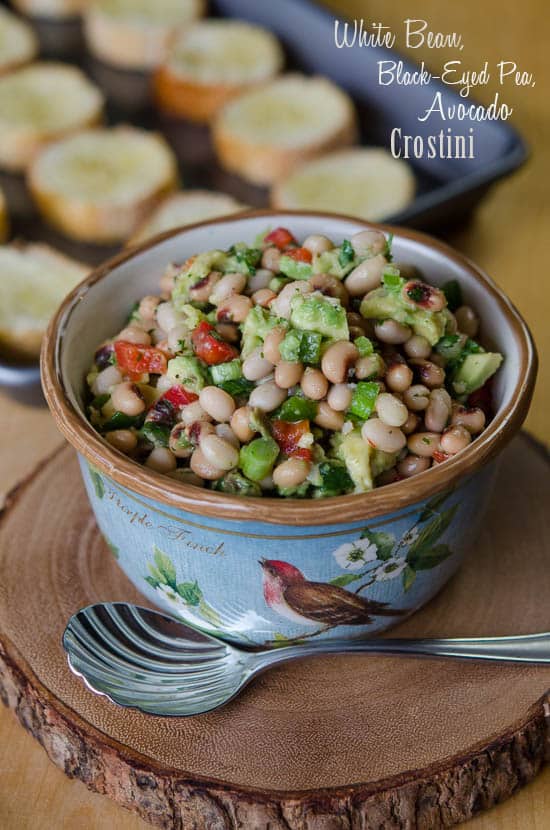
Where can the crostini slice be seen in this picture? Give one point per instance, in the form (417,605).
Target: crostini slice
(53,9)
(18,43)
(367,182)
(4,218)
(184,208)
(266,132)
(213,61)
(98,185)
(39,103)
(136,34)
(34,279)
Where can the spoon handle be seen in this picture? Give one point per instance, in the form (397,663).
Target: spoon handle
(527,648)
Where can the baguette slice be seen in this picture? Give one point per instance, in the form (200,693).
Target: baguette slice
(98,185)
(34,279)
(263,134)
(365,182)
(18,43)
(54,9)
(4,218)
(40,103)
(136,34)
(212,62)
(185,208)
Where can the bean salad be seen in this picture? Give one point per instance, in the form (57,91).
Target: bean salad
(293,369)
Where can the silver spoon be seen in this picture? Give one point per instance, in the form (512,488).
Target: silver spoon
(152,662)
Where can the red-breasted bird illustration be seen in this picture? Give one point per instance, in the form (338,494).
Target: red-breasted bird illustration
(290,594)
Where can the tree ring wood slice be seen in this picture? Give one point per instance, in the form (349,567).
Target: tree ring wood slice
(335,743)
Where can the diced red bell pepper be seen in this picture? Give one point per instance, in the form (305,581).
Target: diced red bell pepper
(483,398)
(288,436)
(179,396)
(210,347)
(299,254)
(280,237)
(439,456)
(134,360)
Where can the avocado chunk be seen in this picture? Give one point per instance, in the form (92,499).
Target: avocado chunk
(188,371)
(338,262)
(254,329)
(382,304)
(475,371)
(315,312)
(197,268)
(356,455)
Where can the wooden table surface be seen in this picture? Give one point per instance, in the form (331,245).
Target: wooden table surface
(508,237)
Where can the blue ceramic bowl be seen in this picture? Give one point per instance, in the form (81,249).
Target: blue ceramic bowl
(267,571)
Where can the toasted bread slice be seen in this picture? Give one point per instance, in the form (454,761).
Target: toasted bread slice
(18,43)
(40,103)
(4,218)
(185,208)
(98,185)
(51,8)
(136,34)
(213,61)
(264,133)
(34,279)
(367,182)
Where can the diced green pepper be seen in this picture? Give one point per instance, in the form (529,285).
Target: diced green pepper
(121,421)
(295,268)
(346,253)
(237,387)
(257,459)
(232,370)
(301,346)
(364,399)
(453,294)
(364,346)
(155,434)
(297,409)
(392,280)
(335,479)
(237,484)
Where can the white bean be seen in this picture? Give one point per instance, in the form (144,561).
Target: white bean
(217,403)
(291,473)
(288,374)
(240,424)
(424,443)
(122,439)
(338,359)
(383,437)
(273,340)
(390,331)
(438,410)
(398,377)
(416,397)
(329,418)
(127,398)
(467,320)
(161,460)
(234,309)
(368,242)
(455,439)
(167,316)
(411,465)
(225,432)
(267,397)
(317,243)
(106,379)
(314,384)
(259,280)
(339,397)
(417,346)
(281,306)
(365,276)
(229,284)
(134,334)
(203,468)
(177,336)
(255,366)
(390,410)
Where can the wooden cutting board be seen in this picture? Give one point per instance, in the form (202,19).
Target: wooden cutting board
(328,744)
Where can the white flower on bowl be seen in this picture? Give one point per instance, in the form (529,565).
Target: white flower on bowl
(411,536)
(390,569)
(354,555)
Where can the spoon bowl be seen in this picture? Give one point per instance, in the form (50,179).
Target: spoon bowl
(146,660)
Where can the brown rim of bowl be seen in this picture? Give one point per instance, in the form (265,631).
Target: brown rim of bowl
(299,512)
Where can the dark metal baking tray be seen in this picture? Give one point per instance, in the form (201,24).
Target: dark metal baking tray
(447,190)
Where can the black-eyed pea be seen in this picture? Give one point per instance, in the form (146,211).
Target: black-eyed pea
(366,276)
(368,242)
(417,346)
(416,397)
(339,396)
(167,317)
(202,289)
(122,439)
(281,306)
(383,437)
(317,244)
(264,297)
(467,320)
(217,403)
(147,308)
(234,309)
(219,452)
(225,287)
(438,410)
(398,377)
(338,360)
(329,418)
(291,473)
(267,397)
(259,280)
(179,442)
(271,259)
(424,443)
(226,432)
(255,366)
(134,334)
(330,286)
(193,412)
(314,384)
(203,468)
(161,460)
(127,398)
(390,331)
(228,332)
(411,465)
(240,424)
(428,373)
(390,410)
(472,418)
(106,379)
(455,439)
(288,374)
(411,424)
(273,340)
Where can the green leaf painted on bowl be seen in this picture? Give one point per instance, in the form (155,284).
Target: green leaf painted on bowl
(408,577)
(431,533)
(384,542)
(424,560)
(346,579)
(166,567)
(190,592)
(97,481)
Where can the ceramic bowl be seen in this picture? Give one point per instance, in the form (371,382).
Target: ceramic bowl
(243,568)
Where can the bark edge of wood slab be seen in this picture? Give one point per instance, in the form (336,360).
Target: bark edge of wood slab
(440,794)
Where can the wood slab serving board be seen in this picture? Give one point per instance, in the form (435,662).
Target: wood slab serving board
(339,743)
